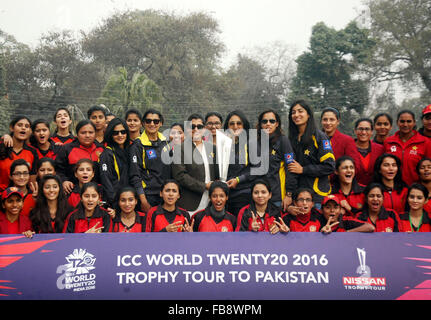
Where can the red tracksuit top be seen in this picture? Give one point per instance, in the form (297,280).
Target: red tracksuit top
(205,222)
(409,152)
(365,170)
(387,221)
(245,218)
(406,226)
(77,222)
(158,218)
(28,153)
(395,200)
(355,198)
(310,222)
(138,226)
(24,224)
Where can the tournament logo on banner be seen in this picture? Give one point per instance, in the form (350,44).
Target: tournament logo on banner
(78,273)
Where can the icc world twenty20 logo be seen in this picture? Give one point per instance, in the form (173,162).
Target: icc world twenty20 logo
(78,273)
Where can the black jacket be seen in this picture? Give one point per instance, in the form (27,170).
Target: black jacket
(113,172)
(318,162)
(147,167)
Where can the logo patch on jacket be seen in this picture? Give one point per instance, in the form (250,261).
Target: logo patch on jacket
(327,145)
(151,154)
(288,157)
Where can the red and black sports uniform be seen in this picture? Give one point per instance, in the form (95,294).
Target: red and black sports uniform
(74,198)
(59,140)
(345,223)
(387,220)
(27,153)
(70,153)
(138,226)
(50,153)
(245,219)
(409,152)
(159,218)
(395,199)
(355,198)
(77,222)
(407,226)
(206,221)
(310,222)
(19,226)
(367,159)
(29,204)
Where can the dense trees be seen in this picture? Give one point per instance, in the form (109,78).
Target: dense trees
(328,74)
(173,62)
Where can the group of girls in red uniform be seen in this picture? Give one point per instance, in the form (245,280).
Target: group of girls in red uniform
(316,180)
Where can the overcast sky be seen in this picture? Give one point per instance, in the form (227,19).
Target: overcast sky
(243,23)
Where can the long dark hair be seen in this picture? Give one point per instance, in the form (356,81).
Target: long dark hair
(6,152)
(18,162)
(110,129)
(399,184)
(311,128)
(367,190)
(40,215)
(118,194)
(417,186)
(338,162)
(33,139)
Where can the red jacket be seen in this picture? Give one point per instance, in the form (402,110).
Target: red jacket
(405,225)
(158,219)
(205,222)
(28,153)
(245,218)
(138,226)
(77,222)
(387,220)
(24,224)
(395,200)
(355,198)
(311,222)
(69,154)
(365,170)
(409,152)
(342,144)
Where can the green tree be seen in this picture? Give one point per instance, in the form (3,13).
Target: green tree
(121,93)
(403,33)
(329,73)
(5,107)
(179,53)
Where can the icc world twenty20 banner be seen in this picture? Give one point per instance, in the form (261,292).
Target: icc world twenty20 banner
(216,266)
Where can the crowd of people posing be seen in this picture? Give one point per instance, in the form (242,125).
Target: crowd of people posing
(113,174)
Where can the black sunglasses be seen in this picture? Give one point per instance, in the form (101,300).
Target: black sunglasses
(265,121)
(197,126)
(116,133)
(148,121)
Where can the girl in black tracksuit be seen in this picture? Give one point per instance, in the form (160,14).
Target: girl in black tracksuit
(279,154)
(315,161)
(114,161)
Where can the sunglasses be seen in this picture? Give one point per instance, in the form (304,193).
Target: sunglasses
(148,121)
(116,133)
(197,126)
(265,121)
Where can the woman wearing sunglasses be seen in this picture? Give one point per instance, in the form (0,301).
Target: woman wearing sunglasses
(147,170)
(280,155)
(114,160)
(194,166)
